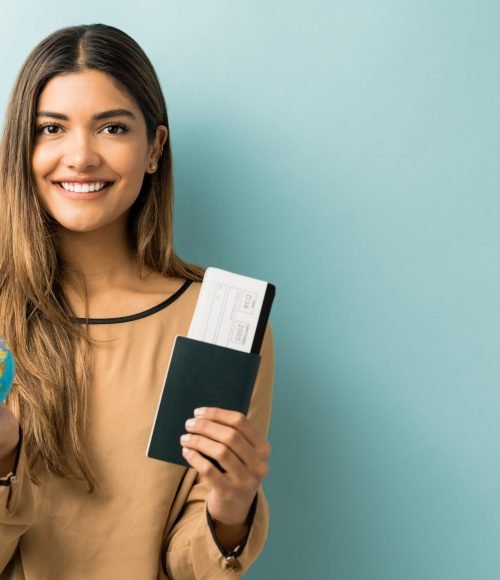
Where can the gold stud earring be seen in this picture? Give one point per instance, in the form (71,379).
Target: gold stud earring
(153,167)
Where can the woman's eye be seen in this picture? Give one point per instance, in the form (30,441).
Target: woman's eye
(116,129)
(48,129)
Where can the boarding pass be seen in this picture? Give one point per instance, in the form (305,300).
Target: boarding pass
(232,310)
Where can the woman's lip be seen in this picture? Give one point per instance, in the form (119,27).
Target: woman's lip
(77,180)
(83,195)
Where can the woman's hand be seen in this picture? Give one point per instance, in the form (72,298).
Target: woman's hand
(230,439)
(9,438)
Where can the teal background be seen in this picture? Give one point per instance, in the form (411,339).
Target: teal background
(348,152)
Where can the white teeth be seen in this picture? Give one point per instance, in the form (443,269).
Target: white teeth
(83,187)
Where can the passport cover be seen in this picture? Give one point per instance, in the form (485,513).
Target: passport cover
(200,374)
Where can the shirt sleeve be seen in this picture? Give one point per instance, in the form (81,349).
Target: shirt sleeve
(191,550)
(17,506)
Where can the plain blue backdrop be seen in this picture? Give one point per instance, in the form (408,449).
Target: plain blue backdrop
(348,152)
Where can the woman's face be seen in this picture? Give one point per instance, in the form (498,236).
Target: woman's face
(91,150)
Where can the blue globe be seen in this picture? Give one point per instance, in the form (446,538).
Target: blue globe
(7,370)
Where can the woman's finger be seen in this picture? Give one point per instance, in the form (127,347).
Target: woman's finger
(233,419)
(224,456)
(204,467)
(228,436)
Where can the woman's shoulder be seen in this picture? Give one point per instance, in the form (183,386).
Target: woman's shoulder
(187,292)
(177,291)
(179,294)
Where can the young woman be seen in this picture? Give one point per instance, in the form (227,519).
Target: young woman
(92,296)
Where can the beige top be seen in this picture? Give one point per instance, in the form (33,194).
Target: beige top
(146,520)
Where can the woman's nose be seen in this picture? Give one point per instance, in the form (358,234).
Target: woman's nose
(81,152)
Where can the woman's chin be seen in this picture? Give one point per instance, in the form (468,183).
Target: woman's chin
(79,226)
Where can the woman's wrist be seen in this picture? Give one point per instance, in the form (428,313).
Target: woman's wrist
(8,463)
(10,434)
(230,536)
(9,452)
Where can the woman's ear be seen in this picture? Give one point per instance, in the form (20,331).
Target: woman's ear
(161,135)
(157,147)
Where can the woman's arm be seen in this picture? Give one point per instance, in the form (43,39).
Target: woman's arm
(243,453)
(225,510)
(16,492)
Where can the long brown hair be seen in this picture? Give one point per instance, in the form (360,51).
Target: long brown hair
(51,349)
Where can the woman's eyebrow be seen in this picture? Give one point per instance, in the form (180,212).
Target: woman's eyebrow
(96,117)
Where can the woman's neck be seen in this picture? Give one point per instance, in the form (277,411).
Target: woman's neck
(104,257)
(114,283)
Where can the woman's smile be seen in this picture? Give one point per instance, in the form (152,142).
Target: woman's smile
(83,191)
(84,187)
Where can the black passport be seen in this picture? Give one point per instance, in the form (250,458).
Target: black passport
(200,374)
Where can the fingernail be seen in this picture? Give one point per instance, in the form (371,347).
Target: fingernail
(190,423)
(200,411)
(185,438)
